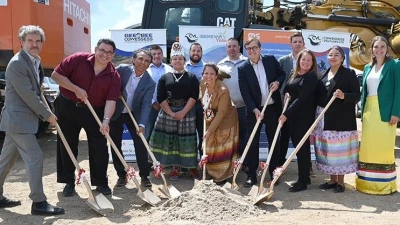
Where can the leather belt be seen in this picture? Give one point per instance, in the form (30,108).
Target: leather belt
(176,102)
(77,104)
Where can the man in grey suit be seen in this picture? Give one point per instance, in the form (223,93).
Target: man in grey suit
(137,88)
(20,120)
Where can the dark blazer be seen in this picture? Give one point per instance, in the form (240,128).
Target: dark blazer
(249,86)
(141,103)
(341,115)
(388,89)
(303,103)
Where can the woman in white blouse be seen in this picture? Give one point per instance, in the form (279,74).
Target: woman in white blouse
(380,108)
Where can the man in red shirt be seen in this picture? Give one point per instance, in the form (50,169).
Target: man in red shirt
(86,76)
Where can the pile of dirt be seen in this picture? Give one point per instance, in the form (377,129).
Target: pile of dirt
(206,203)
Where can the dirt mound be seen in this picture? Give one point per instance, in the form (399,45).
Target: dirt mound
(206,203)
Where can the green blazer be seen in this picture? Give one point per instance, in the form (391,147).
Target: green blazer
(388,89)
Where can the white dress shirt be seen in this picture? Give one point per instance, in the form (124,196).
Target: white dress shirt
(156,73)
(262,80)
(36,64)
(130,90)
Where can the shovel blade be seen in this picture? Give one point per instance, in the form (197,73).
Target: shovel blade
(149,197)
(171,192)
(254,191)
(100,204)
(232,186)
(264,196)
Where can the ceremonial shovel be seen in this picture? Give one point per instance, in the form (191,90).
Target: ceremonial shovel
(238,164)
(256,192)
(147,196)
(168,190)
(99,203)
(204,158)
(267,193)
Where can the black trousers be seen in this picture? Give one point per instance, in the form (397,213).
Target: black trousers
(116,129)
(270,119)
(284,143)
(71,120)
(199,125)
(296,132)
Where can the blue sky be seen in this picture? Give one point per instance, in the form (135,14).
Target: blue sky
(113,14)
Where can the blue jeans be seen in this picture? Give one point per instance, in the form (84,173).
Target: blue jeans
(243,131)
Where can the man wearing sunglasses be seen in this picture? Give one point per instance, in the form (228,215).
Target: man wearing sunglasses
(258,76)
(84,76)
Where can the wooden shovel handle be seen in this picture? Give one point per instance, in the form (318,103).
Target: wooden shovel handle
(253,133)
(272,146)
(153,158)
(304,139)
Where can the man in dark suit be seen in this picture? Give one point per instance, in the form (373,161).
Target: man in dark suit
(137,88)
(257,77)
(20,118)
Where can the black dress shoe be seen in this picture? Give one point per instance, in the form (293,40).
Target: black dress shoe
(251,180)
(104,189)
(7,203)
(44,208)
(69,190)
(146,182)
(121,182)
(327,185)
(298,187)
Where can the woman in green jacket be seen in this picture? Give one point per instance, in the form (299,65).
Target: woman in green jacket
(380,108)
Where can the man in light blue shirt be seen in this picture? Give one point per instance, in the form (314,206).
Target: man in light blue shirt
(195,65)
(156,69)
(233,59)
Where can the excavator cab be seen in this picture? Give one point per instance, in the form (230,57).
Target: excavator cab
(169,14)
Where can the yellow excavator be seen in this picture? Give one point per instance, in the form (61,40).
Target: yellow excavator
(363,19)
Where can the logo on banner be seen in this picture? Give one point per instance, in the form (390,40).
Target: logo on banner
(138,37)
(191,38)
(226,22)
(220,37)
(314,40)
(253,35)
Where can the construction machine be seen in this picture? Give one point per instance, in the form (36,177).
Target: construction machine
(67,30)
(363,19)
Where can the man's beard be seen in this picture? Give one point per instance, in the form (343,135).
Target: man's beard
(195,60)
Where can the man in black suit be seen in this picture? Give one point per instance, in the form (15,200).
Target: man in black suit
(257,77)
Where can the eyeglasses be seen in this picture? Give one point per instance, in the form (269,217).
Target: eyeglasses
(254,48)
(103,51)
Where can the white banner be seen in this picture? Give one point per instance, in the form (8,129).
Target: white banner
(128,150)
(3,2)
(321,41)
(212,40)
(129,40)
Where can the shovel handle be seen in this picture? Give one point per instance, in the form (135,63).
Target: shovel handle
(272,147)
(204,144)
(153,158)
(68,148)
(253,133)
(114,147)
(303,139)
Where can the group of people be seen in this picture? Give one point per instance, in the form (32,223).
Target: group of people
(192,105)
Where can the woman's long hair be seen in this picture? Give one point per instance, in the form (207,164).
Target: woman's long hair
(373,41)
(313,68)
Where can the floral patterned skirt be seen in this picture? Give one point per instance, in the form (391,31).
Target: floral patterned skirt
(336,152)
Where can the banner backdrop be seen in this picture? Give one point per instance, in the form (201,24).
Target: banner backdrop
(321,41)
(129,40)
(276,43)
(212,40)
(128,150)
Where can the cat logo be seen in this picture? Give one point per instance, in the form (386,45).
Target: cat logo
(226,22)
